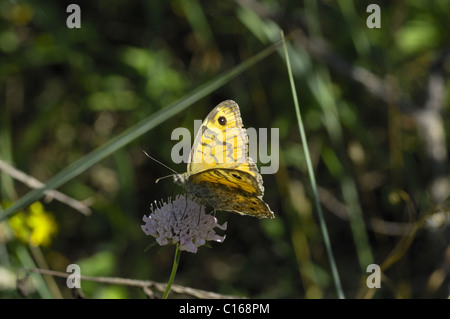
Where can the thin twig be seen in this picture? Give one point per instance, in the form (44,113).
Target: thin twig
(378,225)
(147,285)
(32,182)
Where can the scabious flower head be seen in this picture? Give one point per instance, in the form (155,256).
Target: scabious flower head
(181,221)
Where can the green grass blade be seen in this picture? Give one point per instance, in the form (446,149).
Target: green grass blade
(323,225)
(134,132)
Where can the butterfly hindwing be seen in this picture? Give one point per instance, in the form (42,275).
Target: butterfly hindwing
(230,190)
(233,179)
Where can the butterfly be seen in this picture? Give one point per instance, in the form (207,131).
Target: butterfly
(219,172)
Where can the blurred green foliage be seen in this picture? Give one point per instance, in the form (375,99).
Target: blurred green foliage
(65,92)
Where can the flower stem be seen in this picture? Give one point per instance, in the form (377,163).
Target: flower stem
(176,261)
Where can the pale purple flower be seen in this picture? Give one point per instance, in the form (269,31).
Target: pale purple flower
(181,221)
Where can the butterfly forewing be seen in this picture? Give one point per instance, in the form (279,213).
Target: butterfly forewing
(221,140)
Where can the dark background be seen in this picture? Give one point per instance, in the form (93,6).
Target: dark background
(374,104)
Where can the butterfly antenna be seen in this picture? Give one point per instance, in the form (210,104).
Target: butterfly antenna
(157,180)
(159,163)
(162,165)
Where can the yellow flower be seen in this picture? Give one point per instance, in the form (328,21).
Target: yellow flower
(36,228)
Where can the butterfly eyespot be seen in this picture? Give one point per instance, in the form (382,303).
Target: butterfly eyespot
(222,120)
